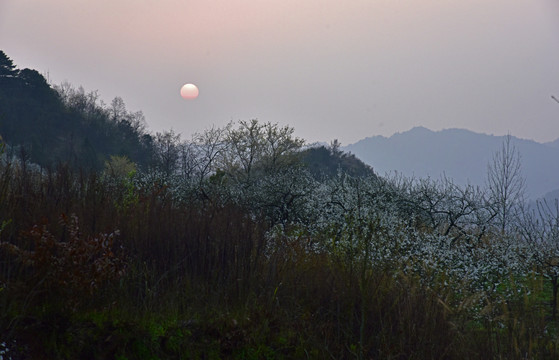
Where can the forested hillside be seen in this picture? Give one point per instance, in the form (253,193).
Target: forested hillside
(243,243)
(66,124)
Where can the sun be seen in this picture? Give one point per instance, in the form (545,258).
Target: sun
(189,91)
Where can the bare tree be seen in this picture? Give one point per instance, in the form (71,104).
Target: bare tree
(117,109)
(188,160)
(506,183)
(253,146)
(209,146)
(245,146)
(449,209)
(167,145)
(279,143)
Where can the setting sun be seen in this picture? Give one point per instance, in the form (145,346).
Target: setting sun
(189,91)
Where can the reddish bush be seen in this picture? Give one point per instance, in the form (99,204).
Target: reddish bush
(72,265)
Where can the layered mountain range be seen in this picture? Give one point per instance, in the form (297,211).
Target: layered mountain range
(460,155)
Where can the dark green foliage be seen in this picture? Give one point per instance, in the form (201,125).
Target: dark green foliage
(326,162)
(64,125)
(7,67)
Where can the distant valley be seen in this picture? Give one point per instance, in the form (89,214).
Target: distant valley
(459,154)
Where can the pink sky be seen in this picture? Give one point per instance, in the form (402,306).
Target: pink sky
(331,69)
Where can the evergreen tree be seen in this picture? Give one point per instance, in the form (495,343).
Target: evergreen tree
(7,67)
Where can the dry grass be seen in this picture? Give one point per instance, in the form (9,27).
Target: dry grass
(201,279)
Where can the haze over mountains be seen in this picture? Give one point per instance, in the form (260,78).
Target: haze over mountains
(459,154)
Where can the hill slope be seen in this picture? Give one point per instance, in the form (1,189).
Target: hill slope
(47,126)
(459,154)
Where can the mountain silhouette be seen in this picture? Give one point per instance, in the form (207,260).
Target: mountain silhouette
(459,154)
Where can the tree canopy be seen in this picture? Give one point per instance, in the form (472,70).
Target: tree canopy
(7,67)
(66,124)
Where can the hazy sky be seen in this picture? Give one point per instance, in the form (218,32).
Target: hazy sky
(331,69)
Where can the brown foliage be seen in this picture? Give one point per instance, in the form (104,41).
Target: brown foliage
(72,265)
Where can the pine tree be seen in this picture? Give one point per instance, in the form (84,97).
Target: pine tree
(7,67)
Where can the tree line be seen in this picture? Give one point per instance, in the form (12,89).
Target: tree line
(46,125)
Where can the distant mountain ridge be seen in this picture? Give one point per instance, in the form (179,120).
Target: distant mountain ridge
(459,154)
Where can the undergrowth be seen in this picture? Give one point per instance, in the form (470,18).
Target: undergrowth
(87,272)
